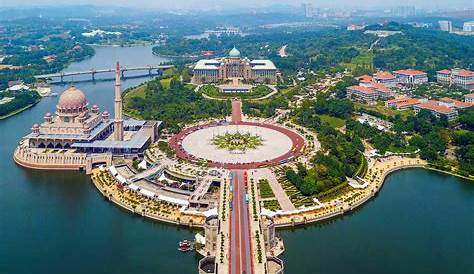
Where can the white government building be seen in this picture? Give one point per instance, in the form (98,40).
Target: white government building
(233,66)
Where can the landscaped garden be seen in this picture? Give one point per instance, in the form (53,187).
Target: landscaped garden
(237,141)
(256,92)
(265,189)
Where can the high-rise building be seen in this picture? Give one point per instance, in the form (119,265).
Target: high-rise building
(404,11)
(445,25)
(468,26)
(308,9)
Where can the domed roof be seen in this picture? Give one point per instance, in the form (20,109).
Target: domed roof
(72,98)
(234,53)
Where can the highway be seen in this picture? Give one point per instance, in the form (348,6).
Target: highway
(240,247)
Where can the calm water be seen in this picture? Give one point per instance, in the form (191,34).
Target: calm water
(421,222)
(56,222)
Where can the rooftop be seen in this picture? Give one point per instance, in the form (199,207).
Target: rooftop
(365,78)
(209,64)
(410,72)
(436,106)
(262,64)
(362,89)
(456,103)
(384,75)
(463,72)
(404,101)
(444,71)
(470,95)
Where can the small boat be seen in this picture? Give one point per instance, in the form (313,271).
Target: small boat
(185,249)
(185,243)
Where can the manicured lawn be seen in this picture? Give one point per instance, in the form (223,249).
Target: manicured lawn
(272,205)
(332,121)
(265,189)
(136,92)
(140,90)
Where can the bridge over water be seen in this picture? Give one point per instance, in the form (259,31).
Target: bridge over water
(151,69)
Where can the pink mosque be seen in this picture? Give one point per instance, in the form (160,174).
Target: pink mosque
(77,137)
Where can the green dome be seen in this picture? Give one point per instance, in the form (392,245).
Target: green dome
(234,53)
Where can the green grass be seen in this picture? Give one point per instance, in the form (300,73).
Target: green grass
(272,205)
(362,170)
(332,121)
(136,92)
(380,108)
(165,82)
(265,189)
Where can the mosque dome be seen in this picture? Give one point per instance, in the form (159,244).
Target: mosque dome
(72,99)
(234,53)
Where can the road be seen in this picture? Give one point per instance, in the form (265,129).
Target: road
(241,258)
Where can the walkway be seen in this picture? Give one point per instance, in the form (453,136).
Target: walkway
(277,189)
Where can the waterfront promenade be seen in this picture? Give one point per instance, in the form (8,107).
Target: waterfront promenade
(127,199)
(349,200)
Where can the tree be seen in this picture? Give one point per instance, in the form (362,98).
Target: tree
(467,119)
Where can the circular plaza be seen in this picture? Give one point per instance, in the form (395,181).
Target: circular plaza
(240,145)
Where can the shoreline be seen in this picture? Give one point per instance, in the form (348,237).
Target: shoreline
(359,204)
(450,173)
(311,217)
(18,111)
(299,220)
(110,197)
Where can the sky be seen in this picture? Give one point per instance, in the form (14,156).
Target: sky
(226,4)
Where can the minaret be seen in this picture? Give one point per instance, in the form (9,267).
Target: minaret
(118,121)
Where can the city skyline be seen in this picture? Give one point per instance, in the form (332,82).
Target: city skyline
(230,5)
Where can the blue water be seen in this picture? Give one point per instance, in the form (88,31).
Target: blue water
(421,222)
(56,222)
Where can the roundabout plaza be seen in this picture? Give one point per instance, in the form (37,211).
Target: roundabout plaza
(243,145)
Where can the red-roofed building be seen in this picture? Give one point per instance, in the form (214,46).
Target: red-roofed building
(402,103)
(385,78)
(455,103)
(438,109)
(411,76)
(365,79)
(369,92)
(362,93)
(469,98)
(384,91)
(459,77)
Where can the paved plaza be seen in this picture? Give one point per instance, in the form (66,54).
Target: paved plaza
(200,145)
